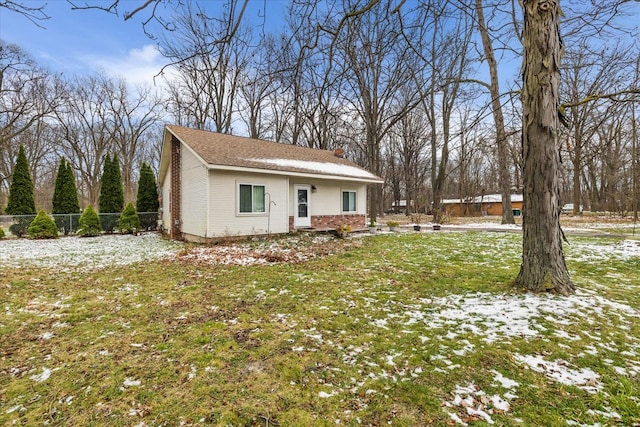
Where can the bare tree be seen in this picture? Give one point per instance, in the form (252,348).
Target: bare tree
(586,72)
(28,95)
(410,140)
(133,117)
(257,82)
(635,151)
(208,69)
(498,116)
(443,46)
(373,62)
(87,132)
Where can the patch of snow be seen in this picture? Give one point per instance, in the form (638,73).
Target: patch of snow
(456,419)
(588,251)
(130,382)
(504,381)
(321,167)
(325,395)
(609,413)
(67,253)
(485,225)
(561,372)
(46,373)
(15,408)
(46,336)
(380,323)
(476,404)
(503,318)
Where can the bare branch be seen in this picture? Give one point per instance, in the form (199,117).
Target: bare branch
(35,14)
(350,15)
(130,15)
(611,96)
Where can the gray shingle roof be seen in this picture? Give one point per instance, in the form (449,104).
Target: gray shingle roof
(221,150)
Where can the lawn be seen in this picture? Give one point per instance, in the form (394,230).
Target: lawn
(402,329)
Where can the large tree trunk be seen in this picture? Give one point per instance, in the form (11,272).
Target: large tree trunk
(498,117)
(543,265)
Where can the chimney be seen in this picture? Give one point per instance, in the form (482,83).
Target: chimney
(339,152)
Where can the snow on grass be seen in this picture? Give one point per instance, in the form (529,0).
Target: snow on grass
(503,319)
(94,252)
(131,382)
(562,372)
(504,381)
(497,319)
(584,251)
(43,376)
(484,226)
(450,329)
(476,404)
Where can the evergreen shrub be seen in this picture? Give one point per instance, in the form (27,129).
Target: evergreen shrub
(129,221)
(89,224)
(43,227)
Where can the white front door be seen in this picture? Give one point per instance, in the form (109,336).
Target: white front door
(302,197)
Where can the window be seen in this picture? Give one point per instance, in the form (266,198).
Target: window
(348,201)
(251,198)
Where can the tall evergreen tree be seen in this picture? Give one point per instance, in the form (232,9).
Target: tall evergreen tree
(104,201)
(59,184)
(21,201)
(71,191)
(111,193)
(147,200)
(65,197)
(118,187)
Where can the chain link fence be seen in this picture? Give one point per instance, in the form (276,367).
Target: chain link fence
(18,225)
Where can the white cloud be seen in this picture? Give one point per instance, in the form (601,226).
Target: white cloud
(136,66)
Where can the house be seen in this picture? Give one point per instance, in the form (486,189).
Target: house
(488,204)
(400,206)
(216,185)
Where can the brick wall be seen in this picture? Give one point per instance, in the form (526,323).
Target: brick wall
(330,222)
(176,193)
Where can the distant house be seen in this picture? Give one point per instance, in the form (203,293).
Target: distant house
(216,185)
(400,206)
(489,204)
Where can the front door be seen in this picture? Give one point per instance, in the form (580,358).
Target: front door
(302,217)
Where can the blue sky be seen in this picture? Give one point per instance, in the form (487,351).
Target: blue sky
(84,41)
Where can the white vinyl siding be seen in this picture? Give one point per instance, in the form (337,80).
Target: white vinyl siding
(194,186)
(327,198)
(225,218)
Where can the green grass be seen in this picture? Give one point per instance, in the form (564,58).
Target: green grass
(384,332)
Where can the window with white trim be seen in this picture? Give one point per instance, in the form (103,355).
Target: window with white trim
(348,201)
(251,198)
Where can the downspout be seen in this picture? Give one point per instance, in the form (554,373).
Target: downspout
(269,213)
